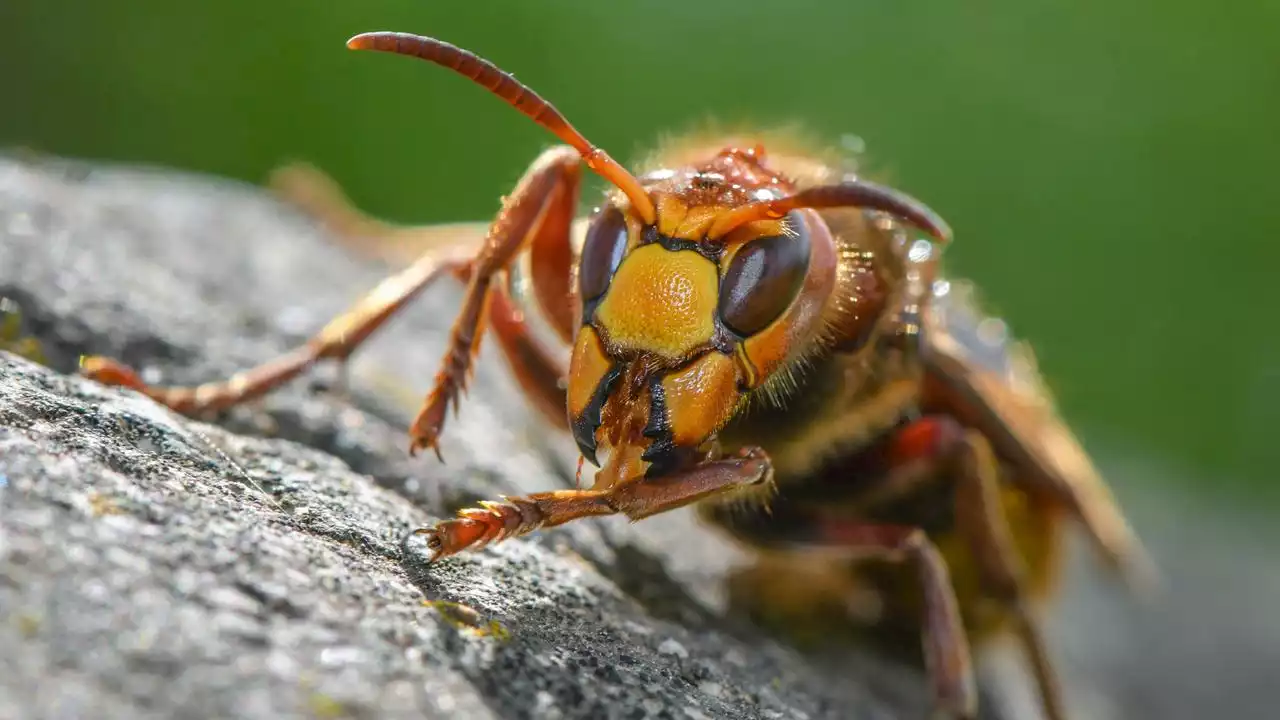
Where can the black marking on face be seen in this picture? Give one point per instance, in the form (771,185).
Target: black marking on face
(661,454)
(587,423)
(708,250)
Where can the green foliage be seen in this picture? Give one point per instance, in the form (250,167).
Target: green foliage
(1108,166)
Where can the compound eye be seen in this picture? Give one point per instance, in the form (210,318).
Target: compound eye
(602,252)
(763,279)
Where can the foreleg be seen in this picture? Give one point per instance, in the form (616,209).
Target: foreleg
(521,221)
(637,499)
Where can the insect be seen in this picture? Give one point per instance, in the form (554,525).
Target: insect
(764,337)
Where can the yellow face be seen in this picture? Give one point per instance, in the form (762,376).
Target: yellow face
(662,302)
(678,330)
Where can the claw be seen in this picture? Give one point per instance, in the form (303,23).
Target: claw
(476,527)
(451,536)
(434,543)
(423,440)
(417,447)
(426,429)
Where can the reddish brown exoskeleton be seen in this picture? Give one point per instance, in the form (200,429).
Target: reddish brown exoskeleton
(760,334)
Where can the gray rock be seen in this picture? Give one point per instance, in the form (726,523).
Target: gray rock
(153,566)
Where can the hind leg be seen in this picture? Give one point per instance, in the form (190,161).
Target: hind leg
(938,449)
(319,196)
(806,583)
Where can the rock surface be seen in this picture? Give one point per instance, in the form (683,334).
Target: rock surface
(145,576)
(152,566)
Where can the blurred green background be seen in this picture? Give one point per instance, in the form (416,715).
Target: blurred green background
(1109,166)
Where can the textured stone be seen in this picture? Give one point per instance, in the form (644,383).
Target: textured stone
(157,566)
(153,566)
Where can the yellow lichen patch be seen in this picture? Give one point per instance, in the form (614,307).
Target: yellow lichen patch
(497,631)
(661,302)
(326,707)
(11,338)
(28,624)
(100,505)
(700,398)
(465,617)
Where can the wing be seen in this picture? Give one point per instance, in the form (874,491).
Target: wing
(989,380)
